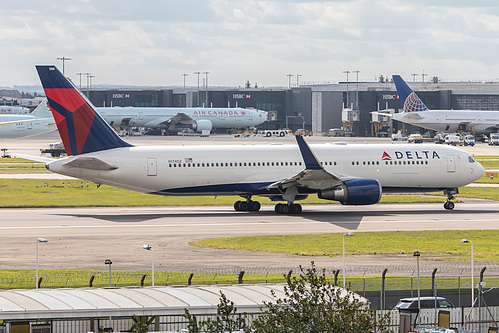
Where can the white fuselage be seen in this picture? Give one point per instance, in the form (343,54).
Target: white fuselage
(236,169)
(18,126)
(156,117)
(479,122)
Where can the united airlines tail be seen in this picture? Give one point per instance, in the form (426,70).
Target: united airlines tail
(81,128)
(408,98)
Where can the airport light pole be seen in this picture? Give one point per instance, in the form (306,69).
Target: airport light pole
(206,86)
(414,77)
(149,248)
(464,240)
(417,255)
(109,262)
(88,80)
(198,73)
(347,72)
(63,61)
(348,234)
(289,80)
(298,79)
(39,240)
(184,75)
(79,74)
(357,91)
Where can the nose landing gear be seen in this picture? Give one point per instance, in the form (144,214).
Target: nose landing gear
(449,205)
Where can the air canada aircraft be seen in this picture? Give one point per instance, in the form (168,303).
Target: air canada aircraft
(22,125)
(171,119)
(416,113)
(350,174)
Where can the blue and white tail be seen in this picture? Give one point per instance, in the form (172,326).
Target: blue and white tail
(408,98)
(81,128)
(42,110)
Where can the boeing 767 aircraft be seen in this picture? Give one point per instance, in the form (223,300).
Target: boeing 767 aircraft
(350,174)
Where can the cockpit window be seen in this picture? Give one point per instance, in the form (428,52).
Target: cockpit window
(471,159)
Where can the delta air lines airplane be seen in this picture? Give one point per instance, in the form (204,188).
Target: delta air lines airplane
(350,174)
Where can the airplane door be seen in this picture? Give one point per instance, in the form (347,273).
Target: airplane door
(152,168)
(451,163)
(29,126)
(141,115)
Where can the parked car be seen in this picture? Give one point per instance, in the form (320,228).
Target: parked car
(399,137)
(411,303)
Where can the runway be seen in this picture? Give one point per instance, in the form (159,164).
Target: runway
(82,238)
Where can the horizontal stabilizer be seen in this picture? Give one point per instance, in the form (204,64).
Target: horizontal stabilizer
(33,158)
(91,163)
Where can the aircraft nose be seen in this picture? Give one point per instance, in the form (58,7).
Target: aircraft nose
(478,171)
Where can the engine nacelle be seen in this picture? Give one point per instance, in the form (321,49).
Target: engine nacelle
(202,125)
(363,191)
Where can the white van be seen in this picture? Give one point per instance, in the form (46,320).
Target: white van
(455,140)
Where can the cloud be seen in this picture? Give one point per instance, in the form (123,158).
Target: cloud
(154,42)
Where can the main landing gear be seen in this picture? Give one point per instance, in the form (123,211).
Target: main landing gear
(247,206)
(449,205)
(286,209)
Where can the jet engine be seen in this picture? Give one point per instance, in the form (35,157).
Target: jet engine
(362,191)
(202,125)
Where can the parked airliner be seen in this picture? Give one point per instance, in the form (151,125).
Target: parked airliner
(350,174)
(416,113)
(174,119)
(22,125)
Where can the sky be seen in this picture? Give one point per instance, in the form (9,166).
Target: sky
(154,42)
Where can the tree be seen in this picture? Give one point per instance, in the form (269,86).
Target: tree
(312,304)
(227,319)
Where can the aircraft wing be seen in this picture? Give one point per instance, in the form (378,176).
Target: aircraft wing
(13,122)
(179,118)
(314,176)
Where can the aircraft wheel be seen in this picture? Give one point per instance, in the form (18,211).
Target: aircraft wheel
(449,205)
(296,209)
(243,206)
(254,206)
(278,208)
(236,206)
(285,209)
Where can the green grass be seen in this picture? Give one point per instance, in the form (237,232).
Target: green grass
(435,245)
(25,279)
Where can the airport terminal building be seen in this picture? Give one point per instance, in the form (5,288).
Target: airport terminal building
(314,107)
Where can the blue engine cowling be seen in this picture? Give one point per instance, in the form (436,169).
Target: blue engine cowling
(202,125)
(362,191)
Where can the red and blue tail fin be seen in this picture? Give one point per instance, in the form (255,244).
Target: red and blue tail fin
(81,128)
(410,101)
